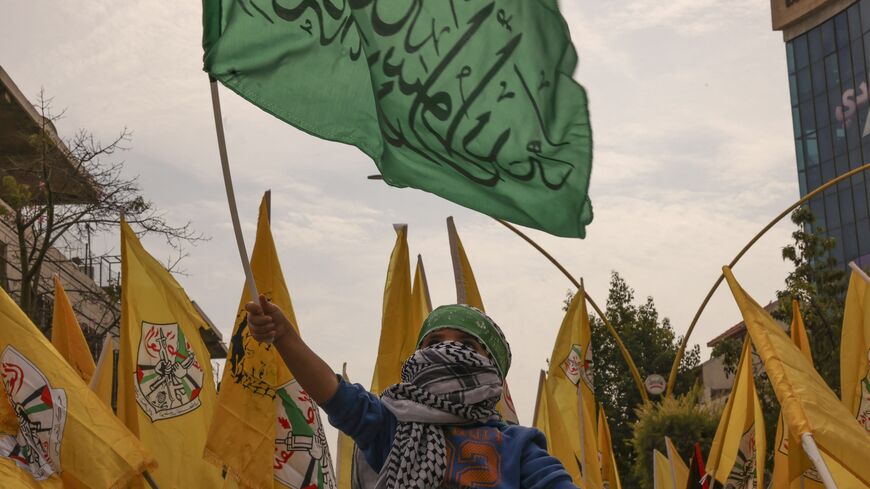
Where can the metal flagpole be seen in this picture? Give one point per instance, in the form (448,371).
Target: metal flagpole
(672,378)
(812,452)
(231,196)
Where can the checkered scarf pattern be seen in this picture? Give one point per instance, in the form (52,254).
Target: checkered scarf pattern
(445,384)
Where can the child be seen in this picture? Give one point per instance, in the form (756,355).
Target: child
(438,428)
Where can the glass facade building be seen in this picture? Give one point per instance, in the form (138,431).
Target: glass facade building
(830,105)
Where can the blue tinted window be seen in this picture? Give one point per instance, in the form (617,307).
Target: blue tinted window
(828,170)
(789,57)
(850,242)
(841,25)
(814,39)
(863,228)
(799,153)
(796,121)
(826,149)
(855,158)
(822,115)
(847,211)
(817,207)
(845,68)
(818,73)
(859,197)
(808,123)
(841,165)
(858,63)
(792,89)
(865,15)
(832,73)
(854,21)
(832,209)
(812,149)
(814,177)
(828,36)
(802,183)
(801,52)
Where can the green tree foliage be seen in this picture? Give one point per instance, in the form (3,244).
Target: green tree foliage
(683,420)
(653,345)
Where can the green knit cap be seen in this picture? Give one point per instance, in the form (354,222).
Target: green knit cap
(474,322)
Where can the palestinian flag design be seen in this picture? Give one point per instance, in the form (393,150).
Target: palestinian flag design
(742,476)
(302,458)
(576,367)
(41,413)
(168,377)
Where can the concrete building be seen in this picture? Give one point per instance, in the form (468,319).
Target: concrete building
(86,278)
(828,54)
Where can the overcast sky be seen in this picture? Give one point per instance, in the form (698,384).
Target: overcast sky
(693,155)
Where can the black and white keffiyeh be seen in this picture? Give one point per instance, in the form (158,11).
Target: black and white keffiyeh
(445,384)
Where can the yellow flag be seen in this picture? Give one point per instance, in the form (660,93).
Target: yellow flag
(809,407)
(793,469)
(67,336)
(344,452)
(678,469)
(662,472)
(466,286)
(550,422)
(101,382)
(570,381)
(468,293)
(855,348)
(166,393)
(421,306)
(737,454)
(266,431)
(396,329)
(609,472)
(52,426)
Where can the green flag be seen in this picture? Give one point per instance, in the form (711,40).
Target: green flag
(471,100)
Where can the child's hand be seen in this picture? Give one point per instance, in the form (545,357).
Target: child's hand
(266,322)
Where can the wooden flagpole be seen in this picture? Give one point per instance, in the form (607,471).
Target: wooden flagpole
(231,196)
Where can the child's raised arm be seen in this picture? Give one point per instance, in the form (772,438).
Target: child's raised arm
(267,322)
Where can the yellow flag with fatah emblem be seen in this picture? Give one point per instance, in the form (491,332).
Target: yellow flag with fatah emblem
(737,454)
(792,468)
(166,392)
(549,421)
(569,380)
(53,429)
(266,430)
(468,293)
(809,406)
(855,348)
(609,470)
(67,336)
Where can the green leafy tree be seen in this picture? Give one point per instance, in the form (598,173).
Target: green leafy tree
(681,418)
(653,345)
